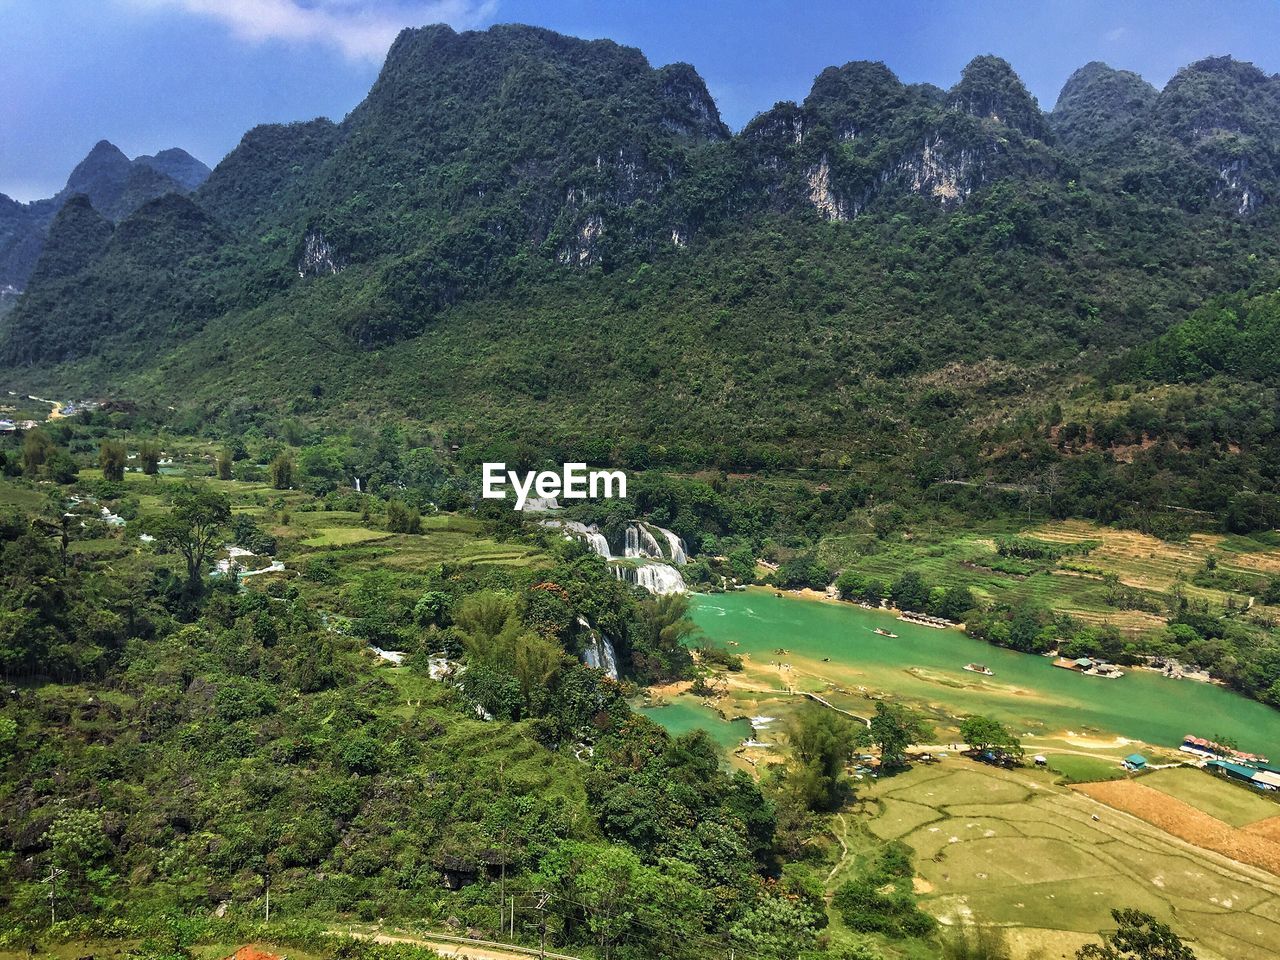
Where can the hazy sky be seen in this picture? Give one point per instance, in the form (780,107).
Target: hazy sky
(149,74)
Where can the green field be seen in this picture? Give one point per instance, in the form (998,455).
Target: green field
(342,536)
(1077,769)
(1020,851)
(1236,804)
(1073,585)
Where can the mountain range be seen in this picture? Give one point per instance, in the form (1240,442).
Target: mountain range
(115,185)
(519,233)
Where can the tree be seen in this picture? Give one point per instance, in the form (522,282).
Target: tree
(955,603)
(983,734)
(910,592)
(658,635)
(1138,936)
(194,524)
(149,454)
(894,728)
(822,742)
(61,467)
(225,465)
(37,447)
(282,470)
(402,518)
(431,609)
(112,457)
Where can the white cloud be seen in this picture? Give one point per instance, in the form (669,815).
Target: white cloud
(360,29)
(1116,35)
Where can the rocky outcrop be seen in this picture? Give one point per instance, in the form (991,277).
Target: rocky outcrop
(318,258)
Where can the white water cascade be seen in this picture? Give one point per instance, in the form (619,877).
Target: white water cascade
(599,653)
(676,546)
(640,543)
(652,576)
(594,539)
(591,534)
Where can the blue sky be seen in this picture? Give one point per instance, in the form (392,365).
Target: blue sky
(149,74)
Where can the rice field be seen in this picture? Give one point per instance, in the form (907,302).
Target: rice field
(1018,850)
(1233,803)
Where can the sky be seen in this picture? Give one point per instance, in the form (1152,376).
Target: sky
(151,74)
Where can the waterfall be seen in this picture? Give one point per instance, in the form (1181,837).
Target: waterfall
(640,543)
(654,577)
(540,504)
(591,534)
(595,539)
(599,653)
(677,552)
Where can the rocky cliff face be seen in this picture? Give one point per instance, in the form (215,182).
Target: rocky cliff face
(863,139)
(482,157)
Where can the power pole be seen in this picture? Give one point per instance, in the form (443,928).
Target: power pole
(542,927)
(52,881)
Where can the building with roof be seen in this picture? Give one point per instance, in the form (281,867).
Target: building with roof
(1135,762)
(1259,779)
(1207,748)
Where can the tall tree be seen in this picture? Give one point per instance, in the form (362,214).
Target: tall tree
(893,729)
(112,457)
(282,470)
(149,454)
(984,733)
(1138,936)
(822,742)
(194,524)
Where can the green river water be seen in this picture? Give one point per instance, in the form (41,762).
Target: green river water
(1026,690)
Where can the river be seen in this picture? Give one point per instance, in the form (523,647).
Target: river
(925,664)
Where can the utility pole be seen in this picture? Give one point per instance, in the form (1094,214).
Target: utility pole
(52,881)
(266,879)
(542,927)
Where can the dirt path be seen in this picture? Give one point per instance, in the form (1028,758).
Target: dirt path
(455,948)
(56,412)
(844,853)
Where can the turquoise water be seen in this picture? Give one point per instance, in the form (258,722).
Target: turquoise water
(683,714)
(1026,690)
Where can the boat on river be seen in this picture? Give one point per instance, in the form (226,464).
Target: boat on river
(884,633)
(981,668)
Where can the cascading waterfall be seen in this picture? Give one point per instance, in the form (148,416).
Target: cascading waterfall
(596,540)
(654,572)
(599,653)
(640,543)
(675,544)
(652,576)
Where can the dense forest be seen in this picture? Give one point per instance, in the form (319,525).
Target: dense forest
(868,343)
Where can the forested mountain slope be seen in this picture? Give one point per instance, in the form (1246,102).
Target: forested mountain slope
(115,185)
(523,233)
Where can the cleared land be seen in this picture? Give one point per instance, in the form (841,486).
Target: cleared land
(1187,822)
(1015,849)
(1074,585)
(1233,803)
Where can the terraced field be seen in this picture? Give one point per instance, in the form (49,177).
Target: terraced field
(1076,585)
(1020,851)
